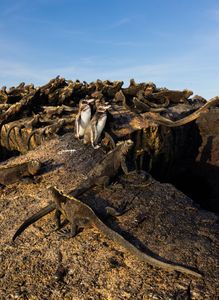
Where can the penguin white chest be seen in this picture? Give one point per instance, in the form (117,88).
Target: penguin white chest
(84,120)
(101,124)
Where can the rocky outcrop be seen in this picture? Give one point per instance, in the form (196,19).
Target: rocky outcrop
(30,115)
(175,140)
(207,160)
(158,219)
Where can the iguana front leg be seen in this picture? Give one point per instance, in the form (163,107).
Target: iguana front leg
(63,232)
(124,165)
(102,181)
(109,141)
(112,212)
(58,219)
(66,233)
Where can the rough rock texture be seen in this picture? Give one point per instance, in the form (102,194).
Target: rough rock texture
(197,172)
(43,265)
(208,157)
(29,115)
(168,142)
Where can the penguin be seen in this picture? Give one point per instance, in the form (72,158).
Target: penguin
(83,117)
(95,127)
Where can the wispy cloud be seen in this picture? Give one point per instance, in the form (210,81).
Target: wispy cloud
(188,70)
(214,14)
(205,43)
(35,20)
(12,9)
(89,60)
(117,43)
(173,74)
(121,22)
(15,72)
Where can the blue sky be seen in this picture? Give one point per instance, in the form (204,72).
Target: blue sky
(174,43)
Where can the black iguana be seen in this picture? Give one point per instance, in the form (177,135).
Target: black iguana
(81,215)
(99,175)
(106,168)
(9,175)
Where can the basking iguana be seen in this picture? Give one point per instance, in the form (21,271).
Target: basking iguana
(99,175)
(80,215)
(106,168)
(9,175)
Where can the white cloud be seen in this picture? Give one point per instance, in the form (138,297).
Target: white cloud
(175,74)
(120,22)
(117,43)
(214,14)
(12,73)
(12,9)
(196,69)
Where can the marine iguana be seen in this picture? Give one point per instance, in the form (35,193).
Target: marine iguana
(81,215)
(193,116)
(106,168)
(14,173)
(99,175)
(133,121)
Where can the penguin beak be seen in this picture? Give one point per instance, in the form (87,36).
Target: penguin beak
(103,108)
(107,107)
(90,100)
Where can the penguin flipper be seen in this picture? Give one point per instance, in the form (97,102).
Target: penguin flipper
(77,120)
(94,135)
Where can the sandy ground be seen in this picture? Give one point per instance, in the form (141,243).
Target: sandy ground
(41,264)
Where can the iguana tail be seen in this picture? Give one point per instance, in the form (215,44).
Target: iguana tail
(193,116)
(147,258)
(81,189)
(46,210)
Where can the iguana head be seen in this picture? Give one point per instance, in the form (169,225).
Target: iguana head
(34,166)
(125,145)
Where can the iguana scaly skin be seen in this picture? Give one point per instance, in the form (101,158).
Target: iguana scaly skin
(9,175)
(106,168)
(81,215)
(100,174)
(193,116)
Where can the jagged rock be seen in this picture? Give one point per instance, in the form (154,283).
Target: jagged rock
(167,143)
(24,106)
(142,112)
(174,97)
(158,218)
(3,95)
(196,169)
(207,160)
